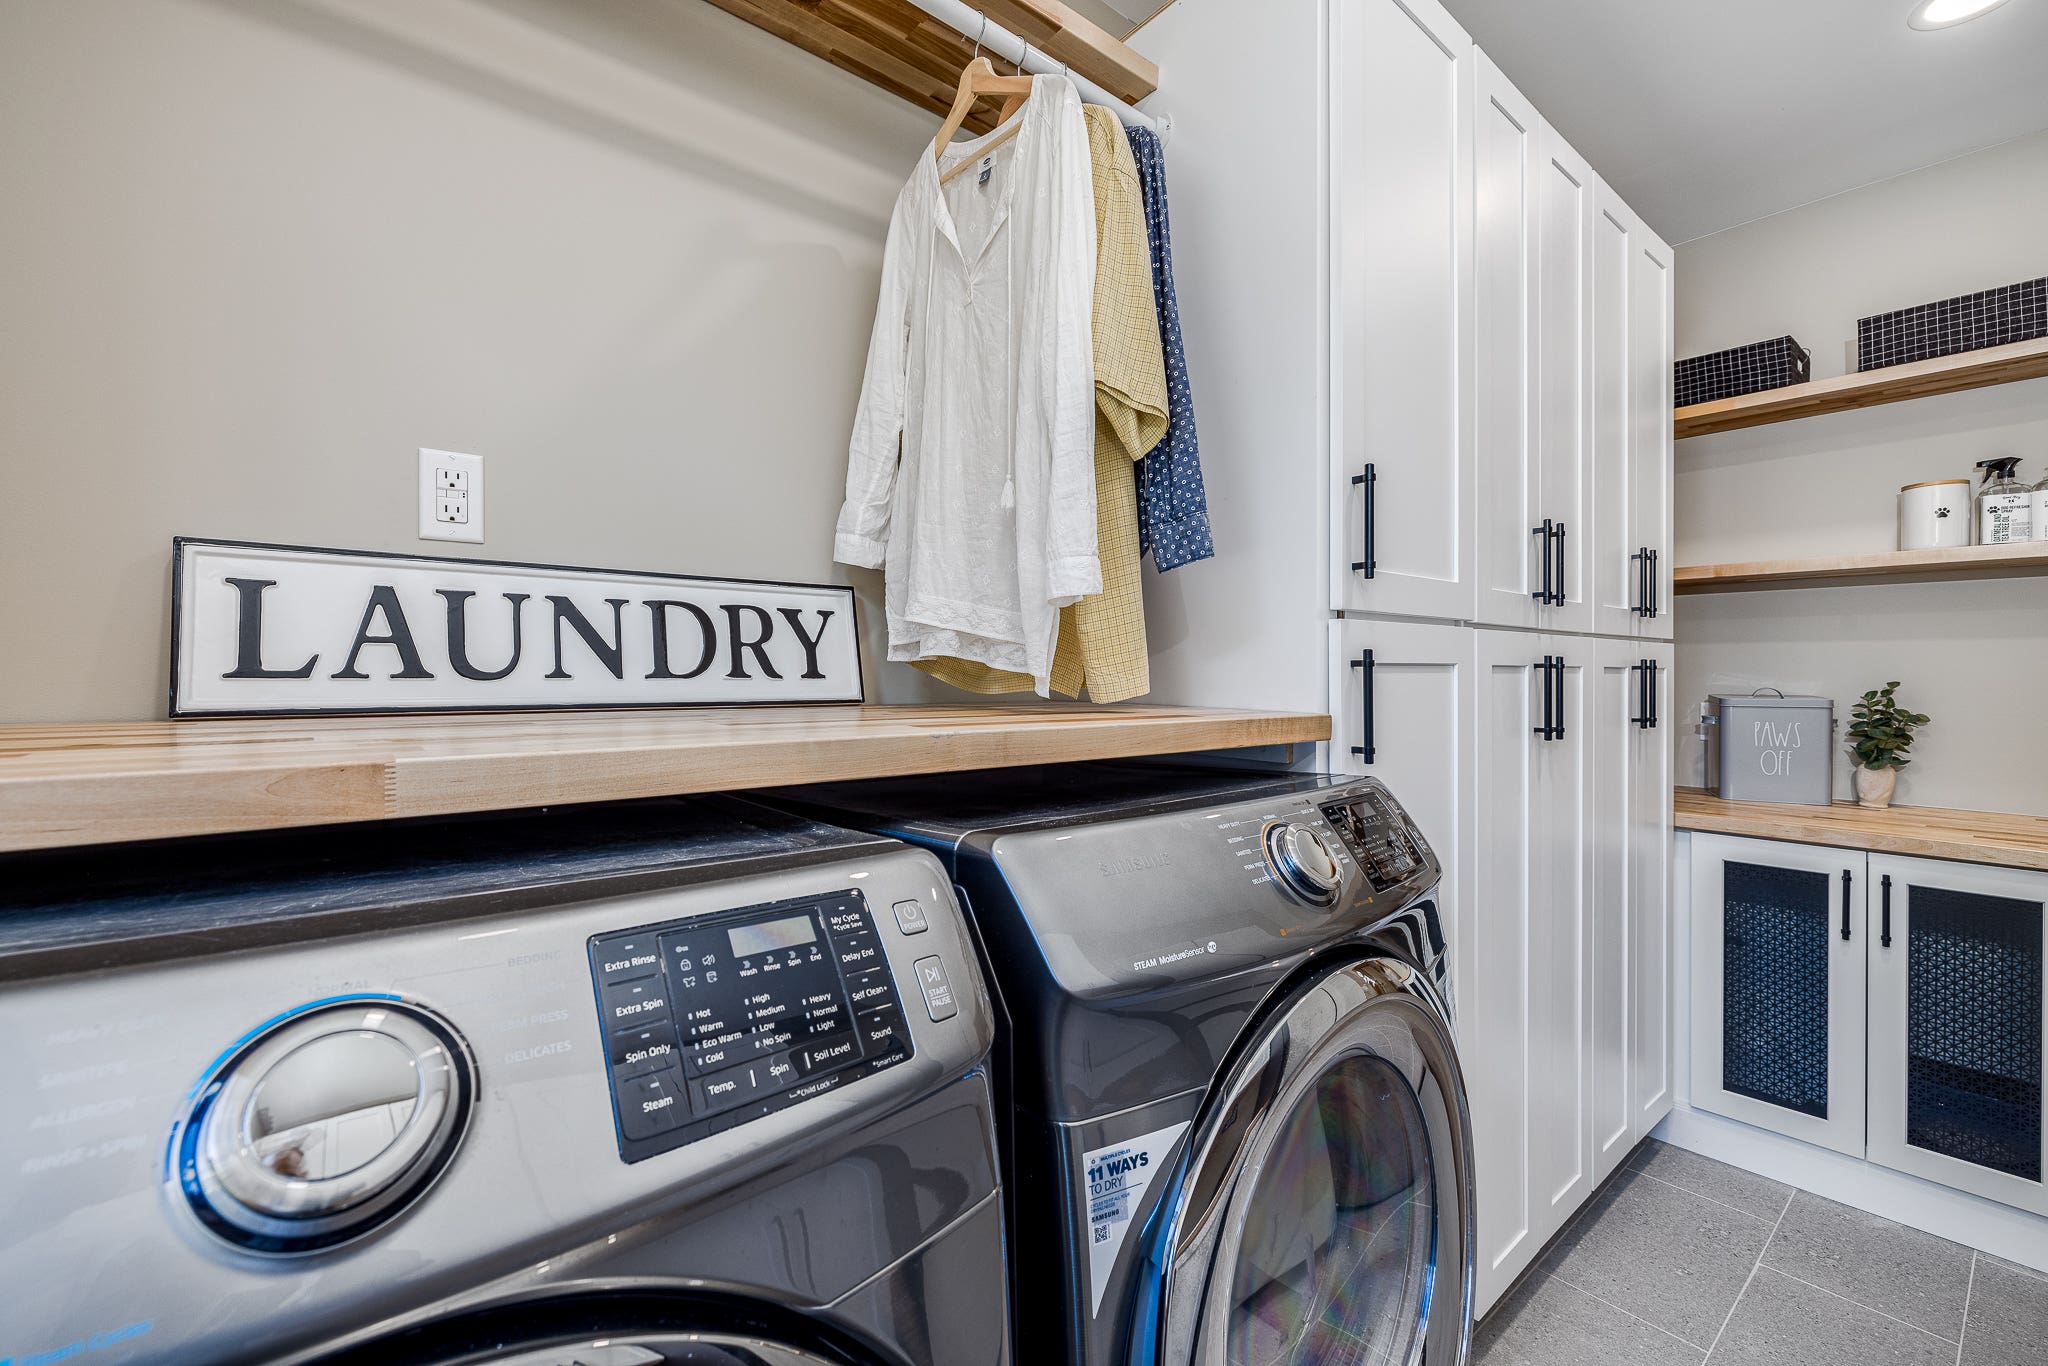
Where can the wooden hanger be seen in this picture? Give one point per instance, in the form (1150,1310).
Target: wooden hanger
(977,79)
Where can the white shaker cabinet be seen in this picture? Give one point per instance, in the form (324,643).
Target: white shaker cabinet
(1401,323)
(1629,967)
(1401,709)
(1521,970)
(1533,206)
(1512,549)
(1631,446)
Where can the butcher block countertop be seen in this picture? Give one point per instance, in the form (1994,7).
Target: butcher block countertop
(1922,831)
(63,785)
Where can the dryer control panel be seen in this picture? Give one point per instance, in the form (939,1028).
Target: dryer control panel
(718,1020)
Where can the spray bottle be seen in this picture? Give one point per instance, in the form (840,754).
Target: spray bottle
(2005,506)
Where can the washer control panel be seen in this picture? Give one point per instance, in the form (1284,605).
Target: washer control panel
(718,1020)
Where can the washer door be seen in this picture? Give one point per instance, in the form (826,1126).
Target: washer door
(1324,1215)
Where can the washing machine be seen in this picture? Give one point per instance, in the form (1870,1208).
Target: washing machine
(668,1082)
(1233,1120)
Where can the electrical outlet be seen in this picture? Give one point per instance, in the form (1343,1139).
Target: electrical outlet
(451,496)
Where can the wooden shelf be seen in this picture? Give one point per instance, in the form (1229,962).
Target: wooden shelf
(98,784)
(897,46)
(1922,831)
(1895,384)
(1961,562)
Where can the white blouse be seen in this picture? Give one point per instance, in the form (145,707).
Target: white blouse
(982,367)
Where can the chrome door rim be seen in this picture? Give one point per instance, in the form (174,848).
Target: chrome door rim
(1317,1029)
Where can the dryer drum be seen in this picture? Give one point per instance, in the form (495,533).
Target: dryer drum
(1324,1213)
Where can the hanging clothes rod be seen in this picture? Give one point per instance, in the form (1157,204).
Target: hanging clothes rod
(972,23)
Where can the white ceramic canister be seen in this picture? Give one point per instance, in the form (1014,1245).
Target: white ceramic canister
(1934,514)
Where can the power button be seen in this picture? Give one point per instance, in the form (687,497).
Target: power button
(937,989)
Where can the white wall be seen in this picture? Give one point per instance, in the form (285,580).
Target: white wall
(1972,655)
(254,252)
(1249,628)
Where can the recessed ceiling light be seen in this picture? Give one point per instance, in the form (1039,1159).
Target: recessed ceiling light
(1932,14)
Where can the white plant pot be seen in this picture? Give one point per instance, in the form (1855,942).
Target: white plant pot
(1874,786)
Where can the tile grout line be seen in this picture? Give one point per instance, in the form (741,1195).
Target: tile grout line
(1573,1285)
(1869,1309)
(1750,1279)
(1700,1195)
(1963,1334)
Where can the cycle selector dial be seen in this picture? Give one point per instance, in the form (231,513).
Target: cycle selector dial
(1302,862)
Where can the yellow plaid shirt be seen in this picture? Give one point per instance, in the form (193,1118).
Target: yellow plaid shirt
(1102,638)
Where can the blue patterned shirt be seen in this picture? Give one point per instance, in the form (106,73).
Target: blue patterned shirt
(1173,507)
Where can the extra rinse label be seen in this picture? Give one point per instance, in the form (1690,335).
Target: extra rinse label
(1113,1182)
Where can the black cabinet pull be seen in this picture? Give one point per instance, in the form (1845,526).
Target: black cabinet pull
(1848,884)
(1364,749)
(1884,938)
(1641,669)
(1557,674)
(1641,560)
(1549,726)
(1656,596)
(1542,594)
(1367,565)
(1655,715)
(1561,594)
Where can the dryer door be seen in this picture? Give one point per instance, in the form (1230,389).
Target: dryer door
(1324,1213)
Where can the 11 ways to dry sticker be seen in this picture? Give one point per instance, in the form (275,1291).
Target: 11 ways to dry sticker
(1113,1185)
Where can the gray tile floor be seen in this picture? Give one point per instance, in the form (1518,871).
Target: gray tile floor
(1679,1260)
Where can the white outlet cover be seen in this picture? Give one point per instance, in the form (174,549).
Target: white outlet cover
(470,469)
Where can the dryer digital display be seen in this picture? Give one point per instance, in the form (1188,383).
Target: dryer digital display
(1378,837)
(718,1020)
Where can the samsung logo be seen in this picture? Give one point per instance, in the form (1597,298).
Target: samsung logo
(1136,863)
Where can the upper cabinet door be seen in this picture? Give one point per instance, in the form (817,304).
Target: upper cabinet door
(1564,380)
(1650,483)
(1620,582)
(1402,478)
(1513,548)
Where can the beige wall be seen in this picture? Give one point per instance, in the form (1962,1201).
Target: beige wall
(253,253)
(1972,655)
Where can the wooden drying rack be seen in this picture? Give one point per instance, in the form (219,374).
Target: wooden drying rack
(897,46)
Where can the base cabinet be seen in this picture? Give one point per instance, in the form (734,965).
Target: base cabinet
(1957,1026)
(1889,1008)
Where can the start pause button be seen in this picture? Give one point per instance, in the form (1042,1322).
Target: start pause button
(937,989)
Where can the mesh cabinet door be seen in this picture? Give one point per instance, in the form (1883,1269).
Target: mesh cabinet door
(1778,987)
(1957,1026)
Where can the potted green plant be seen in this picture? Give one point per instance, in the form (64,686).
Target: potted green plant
(1879,736)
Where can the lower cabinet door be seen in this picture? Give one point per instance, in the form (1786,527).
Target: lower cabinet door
(1521,961)
(1957,1025)
(1401,700)
(1650,899)
(1778,987)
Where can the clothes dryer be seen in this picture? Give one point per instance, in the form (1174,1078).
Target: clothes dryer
(1234,1122)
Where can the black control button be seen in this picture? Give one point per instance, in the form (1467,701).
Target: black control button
(734,1086)
(867,990)
(937,989)
(623,960)
(814,1087)
(910,917)
(845,920)
(827,1054)
(882,1031)
(632,1004)
(859,953)
(645,1049)
(651,1104)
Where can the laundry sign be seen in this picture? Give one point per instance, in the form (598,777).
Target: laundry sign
(268,629)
